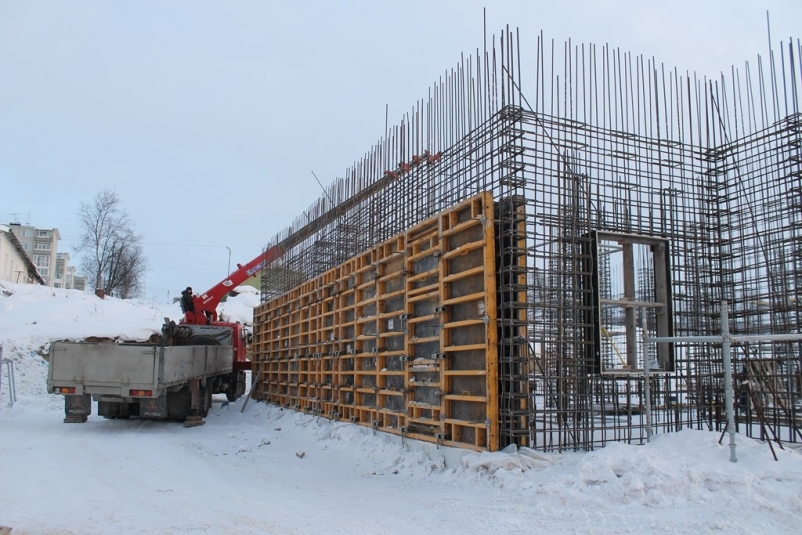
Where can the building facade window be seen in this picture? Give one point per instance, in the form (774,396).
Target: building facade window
(26,246)
(42,233)
(42,246)
(41,260)
(27,233)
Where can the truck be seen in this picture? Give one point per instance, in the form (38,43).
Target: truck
(173,378)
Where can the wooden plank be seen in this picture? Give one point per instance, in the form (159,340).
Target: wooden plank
(478,399)
(465,249)
(428,290)
(423,297)
(461,227)
(463,323)
(418,276)
(467,347)
(463,274)
(465,298)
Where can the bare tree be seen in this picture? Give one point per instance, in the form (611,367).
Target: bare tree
(111,252)
(126,269)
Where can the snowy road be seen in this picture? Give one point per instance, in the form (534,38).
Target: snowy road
(116,476)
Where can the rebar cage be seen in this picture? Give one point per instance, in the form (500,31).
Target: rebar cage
(611,143)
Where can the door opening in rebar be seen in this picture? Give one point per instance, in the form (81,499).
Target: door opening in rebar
(631,273)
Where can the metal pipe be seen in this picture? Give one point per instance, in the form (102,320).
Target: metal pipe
(12,381)
(647,389)
(690,339)
(728,394)
(767,338)
(733,338)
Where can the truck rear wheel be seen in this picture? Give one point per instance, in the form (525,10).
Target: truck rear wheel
(178,403)
(114,411)
(205,400)
(108,409)
(236,387)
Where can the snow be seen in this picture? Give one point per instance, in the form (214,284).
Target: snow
(245,288)
(268,470)
(240,307)
(33,312)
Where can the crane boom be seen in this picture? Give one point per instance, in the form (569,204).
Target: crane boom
(206,303)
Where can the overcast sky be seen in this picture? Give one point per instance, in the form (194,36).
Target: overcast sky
(207,117)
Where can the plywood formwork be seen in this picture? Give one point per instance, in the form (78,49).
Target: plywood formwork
(401,337)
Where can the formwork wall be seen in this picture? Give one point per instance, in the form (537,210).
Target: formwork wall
(400,337)
(603,142)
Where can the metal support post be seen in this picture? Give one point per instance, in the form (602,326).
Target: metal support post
(728,395)
(630,313)
(12,381)
(647,388)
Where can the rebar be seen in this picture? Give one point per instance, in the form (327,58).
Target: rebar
(601,141)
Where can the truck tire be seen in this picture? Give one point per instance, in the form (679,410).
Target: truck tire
(108,409)
(178,403)
(205,400)
(236,386)
(241,386)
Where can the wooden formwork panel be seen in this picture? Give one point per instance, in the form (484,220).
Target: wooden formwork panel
(401,338)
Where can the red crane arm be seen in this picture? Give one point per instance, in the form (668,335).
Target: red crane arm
(206,303)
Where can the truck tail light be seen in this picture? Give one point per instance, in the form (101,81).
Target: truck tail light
(140,393)
(63,390)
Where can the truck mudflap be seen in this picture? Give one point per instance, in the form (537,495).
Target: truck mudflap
(77,408)
(153,407)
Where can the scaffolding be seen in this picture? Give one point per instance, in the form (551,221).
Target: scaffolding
(602,143)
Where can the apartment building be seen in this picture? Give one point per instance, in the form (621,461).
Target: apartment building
(66,275)
(41,246)
(75,281)
(61,276)
(15,265)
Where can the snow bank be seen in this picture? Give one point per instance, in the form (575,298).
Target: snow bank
(30,311)
(32,316)
(680,481)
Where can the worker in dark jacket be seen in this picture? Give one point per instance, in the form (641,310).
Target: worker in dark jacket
(187,304)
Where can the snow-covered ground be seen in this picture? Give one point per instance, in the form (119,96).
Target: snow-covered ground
(276,471)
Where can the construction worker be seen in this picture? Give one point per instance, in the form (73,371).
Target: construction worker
(187,304)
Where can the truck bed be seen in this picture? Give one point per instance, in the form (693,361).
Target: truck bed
(114,369)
